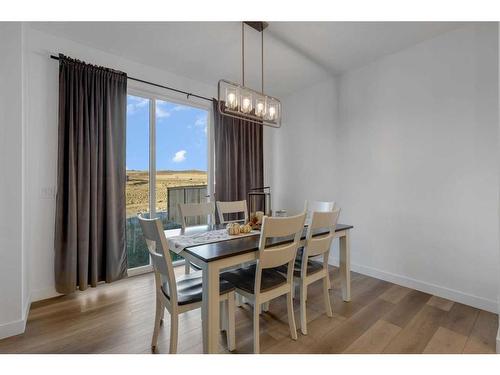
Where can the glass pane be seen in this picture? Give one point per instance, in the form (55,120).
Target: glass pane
(137,185)
(181,160)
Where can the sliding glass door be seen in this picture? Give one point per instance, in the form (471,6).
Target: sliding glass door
(167,164)
(181,159)
(137,188)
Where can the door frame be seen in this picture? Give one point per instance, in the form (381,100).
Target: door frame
(153,95)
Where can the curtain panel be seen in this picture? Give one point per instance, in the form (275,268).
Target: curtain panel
(90,240)
(239,157)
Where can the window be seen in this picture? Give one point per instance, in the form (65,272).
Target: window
(167,163)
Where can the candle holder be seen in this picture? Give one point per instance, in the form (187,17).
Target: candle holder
(259,200)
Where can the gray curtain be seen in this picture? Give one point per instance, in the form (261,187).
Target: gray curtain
(239,156)
(90,205)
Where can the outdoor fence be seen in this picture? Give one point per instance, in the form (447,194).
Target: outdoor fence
(137,250)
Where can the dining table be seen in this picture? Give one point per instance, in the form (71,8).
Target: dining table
(217,256)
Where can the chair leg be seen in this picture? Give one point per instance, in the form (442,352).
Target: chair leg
(291,317)
(174,330)
(162,320)
(303,299)
(326,296)
(231,325)
(239,300)
(223,315)
(256,329)
(187,267)
(158,316)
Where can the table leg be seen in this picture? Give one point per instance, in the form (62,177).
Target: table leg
(210,308)
(345,266)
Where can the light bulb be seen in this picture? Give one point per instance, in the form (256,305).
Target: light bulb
(259,110)
(272,112)
(246,105)
(231,100)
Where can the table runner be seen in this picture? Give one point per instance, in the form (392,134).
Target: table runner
(179,243)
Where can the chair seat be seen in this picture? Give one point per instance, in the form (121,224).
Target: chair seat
(312,267)
(190,288)
(244,278)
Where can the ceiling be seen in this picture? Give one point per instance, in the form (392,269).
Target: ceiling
(296,54)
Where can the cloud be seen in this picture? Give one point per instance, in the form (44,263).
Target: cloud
(161,111)
(201,123)
(180,107)
(135,103)
(179,156)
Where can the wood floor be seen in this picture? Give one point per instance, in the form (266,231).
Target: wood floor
(382,318)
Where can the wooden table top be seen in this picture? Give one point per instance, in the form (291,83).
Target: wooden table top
(237,246)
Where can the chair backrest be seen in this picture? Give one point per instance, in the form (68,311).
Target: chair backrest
(317,206)
(188,210)
(232,208)
(321,244)
(274,256)
(160,255)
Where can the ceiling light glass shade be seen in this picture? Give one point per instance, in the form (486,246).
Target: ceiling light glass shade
(246,104)
(273,109)
(232,98)
(249,105)
(260,107)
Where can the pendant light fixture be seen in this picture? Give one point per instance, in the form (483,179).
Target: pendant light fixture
(239,101)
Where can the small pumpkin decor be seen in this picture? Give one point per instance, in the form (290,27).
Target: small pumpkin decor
(247,228)
(233,229)
(256,220)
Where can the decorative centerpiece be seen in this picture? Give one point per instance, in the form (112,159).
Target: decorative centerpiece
(233,229)
(256,220)
(247,228)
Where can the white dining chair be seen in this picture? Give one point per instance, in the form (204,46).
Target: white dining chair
(182,294)
(194,210)
(261,282)
(317,206)
(308,271)
(235,207)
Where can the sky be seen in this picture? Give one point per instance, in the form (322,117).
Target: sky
(181,136)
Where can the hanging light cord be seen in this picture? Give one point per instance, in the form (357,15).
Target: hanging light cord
(243,54)
(262,55)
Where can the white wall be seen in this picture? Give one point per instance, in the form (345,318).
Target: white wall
(418,161)
(14,297)
(412,161)
(304,165)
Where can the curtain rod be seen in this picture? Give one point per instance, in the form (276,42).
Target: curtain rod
(157,85)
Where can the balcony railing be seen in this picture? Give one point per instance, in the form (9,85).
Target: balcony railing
(185,194)
(137,250)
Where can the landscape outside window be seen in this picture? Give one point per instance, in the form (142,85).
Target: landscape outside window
(181,161)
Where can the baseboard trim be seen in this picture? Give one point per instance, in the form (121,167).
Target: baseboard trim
(498,337)
(12,328)
(16,327)
(41,294)
(437,290)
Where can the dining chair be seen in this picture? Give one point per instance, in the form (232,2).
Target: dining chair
(261,282)
(308,271)
(182,294)
(235,207)
(317,206)
(192,210)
